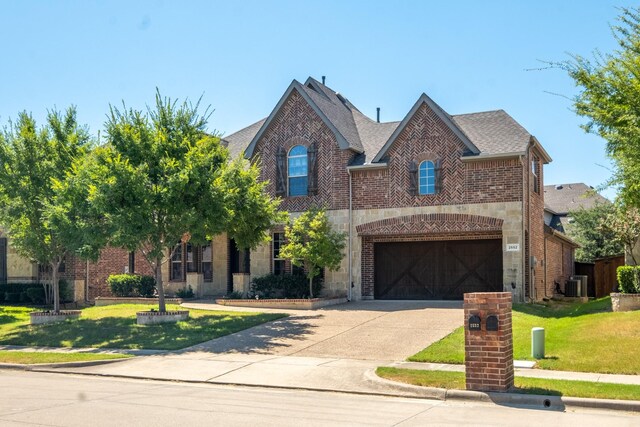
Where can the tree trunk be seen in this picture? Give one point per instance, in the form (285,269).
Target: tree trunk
(310,287)
(159,285)
(55,286)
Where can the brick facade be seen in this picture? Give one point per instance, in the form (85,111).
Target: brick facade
(559,264)
(480,198)
(426,137)
(298,124)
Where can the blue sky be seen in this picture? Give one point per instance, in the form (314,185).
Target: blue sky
(241,55)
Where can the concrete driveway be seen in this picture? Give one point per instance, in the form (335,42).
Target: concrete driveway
(366,330)
(335,348)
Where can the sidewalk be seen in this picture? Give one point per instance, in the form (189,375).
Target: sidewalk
(531,373)
(81,350)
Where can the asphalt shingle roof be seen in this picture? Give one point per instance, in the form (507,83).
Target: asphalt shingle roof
(564,198)
(492,132)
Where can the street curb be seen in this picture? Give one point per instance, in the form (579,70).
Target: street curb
(401,390)
(38,366)
(533,400)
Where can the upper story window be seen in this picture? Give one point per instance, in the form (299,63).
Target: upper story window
(427,178)
(297,171)
(535,170)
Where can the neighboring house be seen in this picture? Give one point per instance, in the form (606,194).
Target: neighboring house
(435,205)
(560,200)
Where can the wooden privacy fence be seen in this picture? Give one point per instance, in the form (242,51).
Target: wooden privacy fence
(602,275)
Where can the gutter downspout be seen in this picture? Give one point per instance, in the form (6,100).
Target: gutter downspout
(532,284)
(524,212)
(350,284)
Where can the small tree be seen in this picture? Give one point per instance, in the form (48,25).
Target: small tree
(163,180)
(595,241)
(624,224)
(33,164)
(608,99)
(311,243)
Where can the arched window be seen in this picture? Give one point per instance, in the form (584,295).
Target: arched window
(427,178)
(297,171)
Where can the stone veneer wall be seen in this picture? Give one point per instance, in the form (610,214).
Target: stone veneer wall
(19,269)
(509,212)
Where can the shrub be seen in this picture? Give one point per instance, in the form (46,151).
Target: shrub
(628,279)
(284,286)
(186,292)
(234,295)
(66,291)
(147,286)
(12,297)
(131,285)
(36,295)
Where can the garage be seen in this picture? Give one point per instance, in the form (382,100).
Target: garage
(440,270)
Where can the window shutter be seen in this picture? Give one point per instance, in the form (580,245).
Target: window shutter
(438,176)
(312,181)
(413,178)
(281,177)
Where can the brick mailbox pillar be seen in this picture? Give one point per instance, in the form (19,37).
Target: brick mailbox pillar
(488,341)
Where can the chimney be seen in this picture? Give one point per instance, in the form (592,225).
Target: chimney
(378,115)
(323,79)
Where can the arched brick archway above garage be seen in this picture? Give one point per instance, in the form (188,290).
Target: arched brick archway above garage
(473,241)
(430,224)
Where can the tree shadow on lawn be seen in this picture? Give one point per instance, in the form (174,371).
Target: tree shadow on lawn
(262,339)
(124,333)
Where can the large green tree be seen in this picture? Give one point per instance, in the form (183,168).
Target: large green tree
(34,162)
(609,98)
(585,228)
(163,179)
(312,243)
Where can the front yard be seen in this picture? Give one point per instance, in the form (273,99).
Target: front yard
(115,327)
(579,337)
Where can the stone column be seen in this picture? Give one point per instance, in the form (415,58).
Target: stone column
(241,283)
(488,341)
(196,281)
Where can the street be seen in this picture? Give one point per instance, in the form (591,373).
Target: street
(30,398)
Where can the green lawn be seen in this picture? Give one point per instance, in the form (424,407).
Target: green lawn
(579,337)
(115,326)
(31,357)
(455,380)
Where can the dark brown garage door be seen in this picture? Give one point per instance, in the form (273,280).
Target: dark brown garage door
(437,270)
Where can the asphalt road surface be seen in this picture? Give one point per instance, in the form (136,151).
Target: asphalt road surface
(29,398)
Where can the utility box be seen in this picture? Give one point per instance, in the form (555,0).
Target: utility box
(537,343)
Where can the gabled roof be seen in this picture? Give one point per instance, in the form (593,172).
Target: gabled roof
(494,132)
(336,115)
(424,99)
(561,199)
(485,134)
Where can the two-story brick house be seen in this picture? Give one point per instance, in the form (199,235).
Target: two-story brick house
(435,205)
